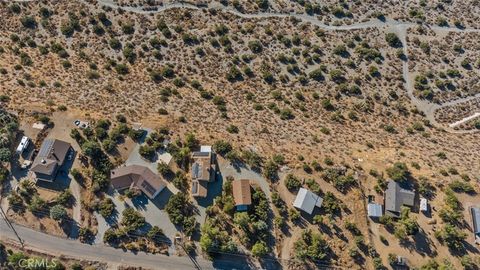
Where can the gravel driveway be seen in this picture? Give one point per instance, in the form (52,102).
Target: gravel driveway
(227,169)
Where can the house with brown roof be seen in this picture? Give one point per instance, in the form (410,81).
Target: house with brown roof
(50,158)
(241,194)
(203,171)
(139,177)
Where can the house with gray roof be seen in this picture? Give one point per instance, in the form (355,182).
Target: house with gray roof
(307,200)
(396,197)
(50,158)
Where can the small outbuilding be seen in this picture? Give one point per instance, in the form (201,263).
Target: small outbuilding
(206,148)
(242,194)
(423,205)
(39,126)
(307,200)
(374,210)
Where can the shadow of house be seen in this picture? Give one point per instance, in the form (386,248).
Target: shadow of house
(421,244)
(231,262)
(162,199)
(140,202)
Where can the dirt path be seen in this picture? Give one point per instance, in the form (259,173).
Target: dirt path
(289,242)
(466,119)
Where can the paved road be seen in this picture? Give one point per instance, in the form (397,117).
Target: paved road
(71,248)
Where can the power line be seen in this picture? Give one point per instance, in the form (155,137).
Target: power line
(9,224)
(161,239)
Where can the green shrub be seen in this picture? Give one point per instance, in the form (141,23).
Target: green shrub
(28,22)
(255,46)
(260,249)
(131,219)
(292,182)
(58,212)
(106,207)
(393,40)
(398,172)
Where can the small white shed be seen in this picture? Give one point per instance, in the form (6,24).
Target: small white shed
(307,201)
(206,148)
(423,205)
(374,210)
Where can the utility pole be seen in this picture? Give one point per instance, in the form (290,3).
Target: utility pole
(4,216)
(182,245)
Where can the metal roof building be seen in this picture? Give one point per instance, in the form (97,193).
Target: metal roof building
(307,200)
(423,205)
(374,210)
(242,194)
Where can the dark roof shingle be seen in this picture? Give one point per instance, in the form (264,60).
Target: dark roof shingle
(396,197)
(51,155)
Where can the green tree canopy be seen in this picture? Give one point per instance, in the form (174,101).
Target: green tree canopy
(58,212)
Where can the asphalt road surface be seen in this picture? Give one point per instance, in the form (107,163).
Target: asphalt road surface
(99,252)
